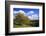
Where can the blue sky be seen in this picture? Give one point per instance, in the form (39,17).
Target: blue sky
(29,12)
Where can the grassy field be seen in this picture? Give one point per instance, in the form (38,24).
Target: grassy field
(33,23)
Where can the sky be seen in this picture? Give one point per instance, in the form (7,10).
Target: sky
(33,14)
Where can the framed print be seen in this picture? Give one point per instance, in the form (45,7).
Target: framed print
(24,17)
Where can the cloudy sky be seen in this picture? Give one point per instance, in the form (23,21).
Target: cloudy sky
(33,14)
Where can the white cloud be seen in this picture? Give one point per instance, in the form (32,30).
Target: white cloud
(20,11)
(30,12)
(33,17)
(30,17)
(15,12)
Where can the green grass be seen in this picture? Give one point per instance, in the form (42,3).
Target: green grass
(19,26)
(31,24)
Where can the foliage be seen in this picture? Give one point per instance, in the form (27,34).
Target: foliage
(21,20)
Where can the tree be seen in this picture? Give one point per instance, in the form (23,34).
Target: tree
(21,19)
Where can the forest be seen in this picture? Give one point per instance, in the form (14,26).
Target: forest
(21,20)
